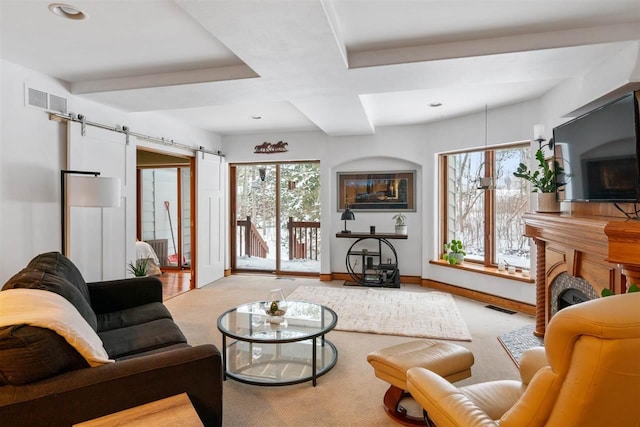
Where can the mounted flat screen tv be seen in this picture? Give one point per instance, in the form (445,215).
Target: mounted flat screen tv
(598,153)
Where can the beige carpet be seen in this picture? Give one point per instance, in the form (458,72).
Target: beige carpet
(350,395)
(388,312)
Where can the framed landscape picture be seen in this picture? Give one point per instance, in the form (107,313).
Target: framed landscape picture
(377,191)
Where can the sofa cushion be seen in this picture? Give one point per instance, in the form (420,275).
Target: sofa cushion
(56,263)
(29,353)
(30,278)
(141,338)
(132,316)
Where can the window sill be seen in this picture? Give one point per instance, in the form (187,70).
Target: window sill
(478,268)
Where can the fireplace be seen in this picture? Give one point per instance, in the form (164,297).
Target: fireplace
(567,290)
(578,257)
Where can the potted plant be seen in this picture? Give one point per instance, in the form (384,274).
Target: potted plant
(632,288)
(139,268)
(454,252)
(543,182)
(401,226)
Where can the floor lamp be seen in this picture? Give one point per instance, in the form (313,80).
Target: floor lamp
(86,189)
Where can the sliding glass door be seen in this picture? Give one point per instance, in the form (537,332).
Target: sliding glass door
(276,213)
(255,214)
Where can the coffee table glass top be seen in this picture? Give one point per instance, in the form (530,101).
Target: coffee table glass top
(303,320)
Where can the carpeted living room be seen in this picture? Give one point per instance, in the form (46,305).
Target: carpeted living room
(319,213)
(349,394)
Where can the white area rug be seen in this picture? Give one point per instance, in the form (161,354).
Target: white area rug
(382,311)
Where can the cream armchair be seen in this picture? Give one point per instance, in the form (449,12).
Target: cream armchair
(592,377)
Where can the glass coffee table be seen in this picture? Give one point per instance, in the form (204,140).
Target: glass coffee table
(269,354)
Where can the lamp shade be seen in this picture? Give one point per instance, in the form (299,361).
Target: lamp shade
(347,215)
(94,191)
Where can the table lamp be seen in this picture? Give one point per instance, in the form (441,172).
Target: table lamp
(347,215)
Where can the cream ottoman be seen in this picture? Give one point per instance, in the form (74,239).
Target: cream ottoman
(390,364)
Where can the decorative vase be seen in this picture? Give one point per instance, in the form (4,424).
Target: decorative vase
(401,229)
(547,202)
(275,306)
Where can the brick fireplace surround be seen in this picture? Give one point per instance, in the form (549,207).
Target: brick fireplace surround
(585,252)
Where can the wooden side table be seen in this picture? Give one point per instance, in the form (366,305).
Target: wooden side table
(170,412)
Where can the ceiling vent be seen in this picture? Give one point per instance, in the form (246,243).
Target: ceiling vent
(46,101)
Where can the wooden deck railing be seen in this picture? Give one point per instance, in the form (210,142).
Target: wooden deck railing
(249,236)
(303,239)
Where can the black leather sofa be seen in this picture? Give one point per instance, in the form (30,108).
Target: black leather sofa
(45,381)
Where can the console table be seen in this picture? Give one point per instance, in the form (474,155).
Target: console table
(378,268)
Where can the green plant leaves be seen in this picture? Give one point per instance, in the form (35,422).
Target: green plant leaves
(139,268)
(543,179)
(632,288)
(606,292)
(453,247)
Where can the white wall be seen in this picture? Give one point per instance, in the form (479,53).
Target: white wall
(399,148)
(32,153)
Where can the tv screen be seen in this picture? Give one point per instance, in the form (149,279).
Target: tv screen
(598,153)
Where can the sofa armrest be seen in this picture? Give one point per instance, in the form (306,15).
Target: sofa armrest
(94,392)
(114,295)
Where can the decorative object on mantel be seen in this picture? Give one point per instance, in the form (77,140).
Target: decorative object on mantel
(269,148)
(608,292)
(543,181)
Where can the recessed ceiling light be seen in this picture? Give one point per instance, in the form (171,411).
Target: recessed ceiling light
(256,117)
(435,104)
(67,11)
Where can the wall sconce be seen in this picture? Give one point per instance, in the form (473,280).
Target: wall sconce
(87,190)
(538,136)
(347,215)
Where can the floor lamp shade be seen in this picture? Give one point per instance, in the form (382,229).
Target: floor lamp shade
(86,189)
(93,191)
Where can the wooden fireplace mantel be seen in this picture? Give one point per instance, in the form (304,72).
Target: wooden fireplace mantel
(601,250)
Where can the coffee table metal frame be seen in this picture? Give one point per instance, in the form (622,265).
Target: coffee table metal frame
(259,335)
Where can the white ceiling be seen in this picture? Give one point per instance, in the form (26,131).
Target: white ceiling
(342,66)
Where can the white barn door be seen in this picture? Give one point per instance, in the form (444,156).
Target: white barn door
(210,229)
(102,240)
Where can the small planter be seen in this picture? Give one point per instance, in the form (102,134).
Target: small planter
(547,202)
(401,229)
(457,256)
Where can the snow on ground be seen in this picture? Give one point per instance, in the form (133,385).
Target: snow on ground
(255,263)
